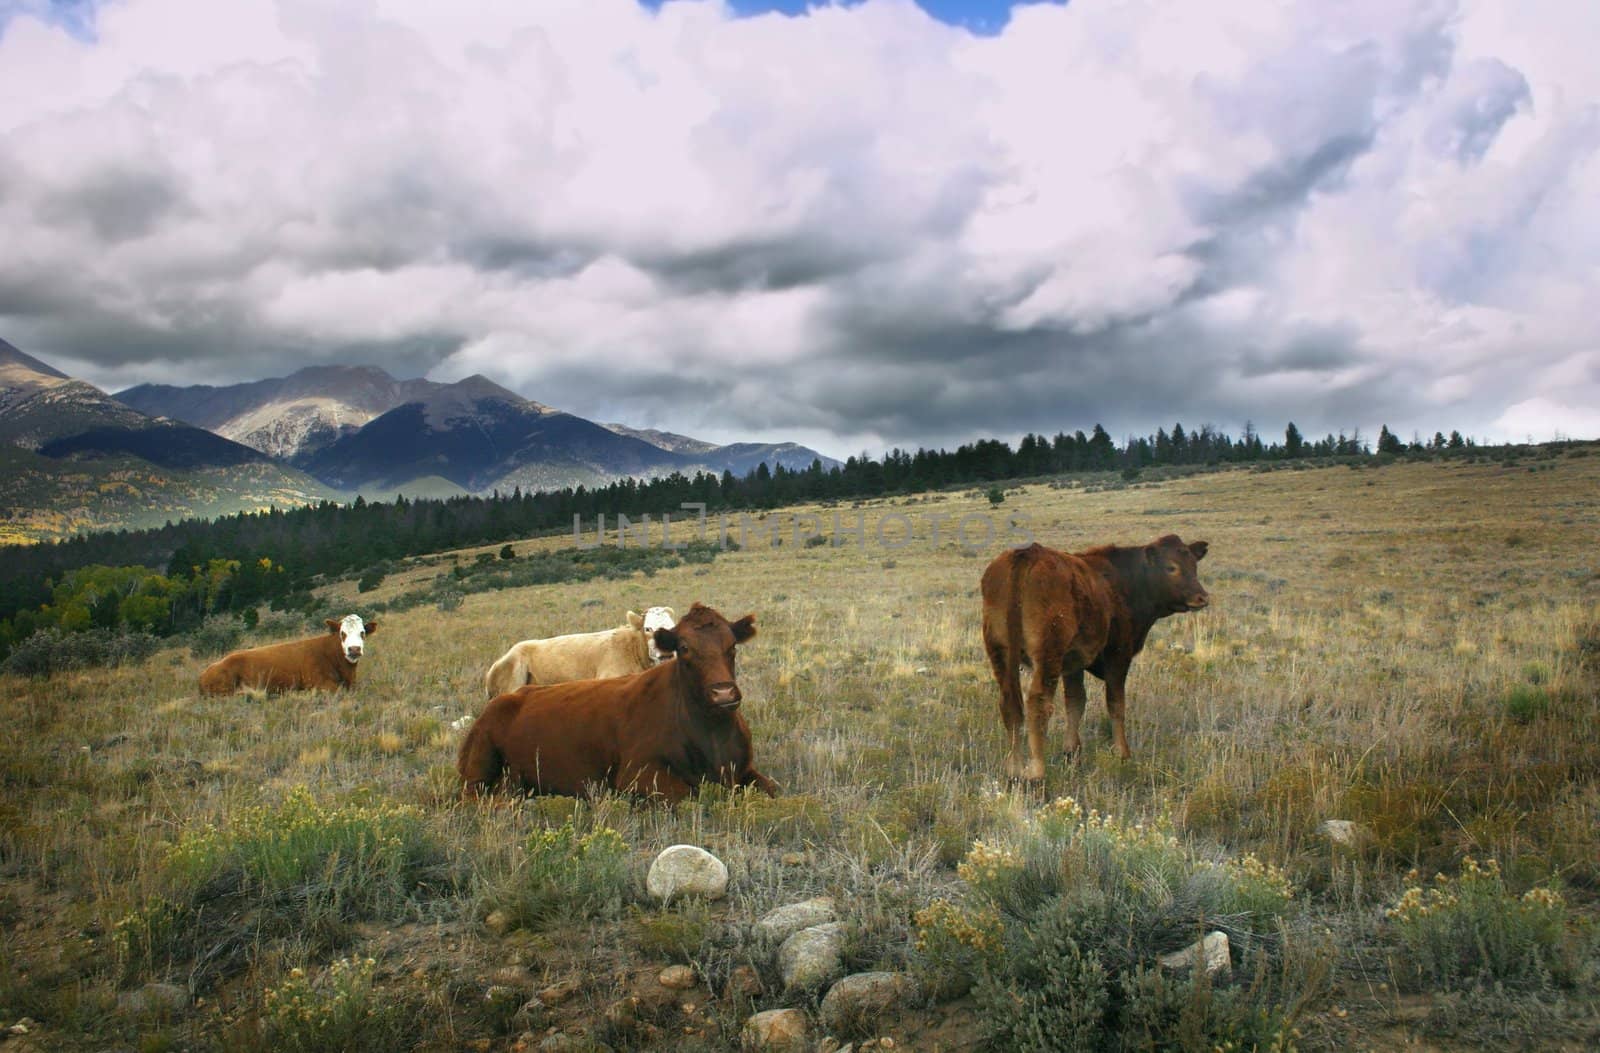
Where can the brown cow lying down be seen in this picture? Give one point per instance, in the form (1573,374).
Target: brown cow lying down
(622,651)
(1060,613)
(662,732)
(326,661)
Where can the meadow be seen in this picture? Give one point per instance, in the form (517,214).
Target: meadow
(1414,647)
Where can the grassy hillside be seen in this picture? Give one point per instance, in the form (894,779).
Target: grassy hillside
(45,498)
(1415,648)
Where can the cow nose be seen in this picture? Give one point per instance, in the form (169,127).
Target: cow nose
(725,695)
(1199,601)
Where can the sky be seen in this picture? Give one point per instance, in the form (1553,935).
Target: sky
(856,226)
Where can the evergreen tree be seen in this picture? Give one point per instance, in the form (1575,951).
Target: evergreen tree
(1293,442)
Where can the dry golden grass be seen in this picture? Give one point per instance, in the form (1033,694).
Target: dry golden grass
(1414,647)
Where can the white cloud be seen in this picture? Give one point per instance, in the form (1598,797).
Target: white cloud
(859,222)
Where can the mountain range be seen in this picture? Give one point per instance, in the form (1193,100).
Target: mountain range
(358,428)
(73,458)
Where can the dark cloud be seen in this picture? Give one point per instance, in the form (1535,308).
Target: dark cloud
(857,222)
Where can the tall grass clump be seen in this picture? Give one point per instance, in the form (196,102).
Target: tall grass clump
(1472,931)
(298,867)
(561,874)
(1062,928)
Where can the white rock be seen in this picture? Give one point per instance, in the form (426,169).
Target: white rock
(170,997)
(461,724)
(860,999)
(1212,950)
(812,957)
(677,977)
(778,925)
(774,1029)
(1340,831)
(685,870)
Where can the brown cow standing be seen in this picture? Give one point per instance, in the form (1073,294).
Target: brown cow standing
(662,732)
(326,661)
(1061,613)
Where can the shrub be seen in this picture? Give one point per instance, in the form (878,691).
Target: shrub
(953,945)
(1050,996)
(1084,903)
(50,651)
(217,635)
(370,579)
(1473,931)
(507,552)
(341,1012)
(996,496)
(563,875)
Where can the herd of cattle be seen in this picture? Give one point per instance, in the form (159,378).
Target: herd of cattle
(651,708)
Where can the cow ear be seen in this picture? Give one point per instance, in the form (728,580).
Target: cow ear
(1152,554)
(332,625)
(667,641)
(744,628)
(635,619)
(1199,549)
(372,627)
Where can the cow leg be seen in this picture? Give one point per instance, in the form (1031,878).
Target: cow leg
(1076,699)
(1009,678)
(1036,709)
(751,777)
(1116,699)
(653,780)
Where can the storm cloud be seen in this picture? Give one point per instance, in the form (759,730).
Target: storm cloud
(857,227)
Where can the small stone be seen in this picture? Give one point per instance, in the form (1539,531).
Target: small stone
(623,1013)
(778,925)
(778,1030)
(499,922)
(557,993)
(678,977)
(1212,950)
(461,723)
(686,870)
(154,996)
(812,957)
(792,859)
(743,982)
(561,1042)
(857,1001)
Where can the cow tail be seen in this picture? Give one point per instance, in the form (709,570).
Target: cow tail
(479,762)
(1015,648)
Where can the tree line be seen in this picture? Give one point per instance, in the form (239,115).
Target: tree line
(165,580)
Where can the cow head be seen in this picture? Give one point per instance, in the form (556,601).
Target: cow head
(352,633)
(657,618)
(704,643)
(1172,575)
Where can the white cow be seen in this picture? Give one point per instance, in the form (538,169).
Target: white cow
(622,651)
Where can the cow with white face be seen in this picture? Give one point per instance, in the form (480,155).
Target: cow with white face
(352,636)
(657,618)
(628,649)
(322,662)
